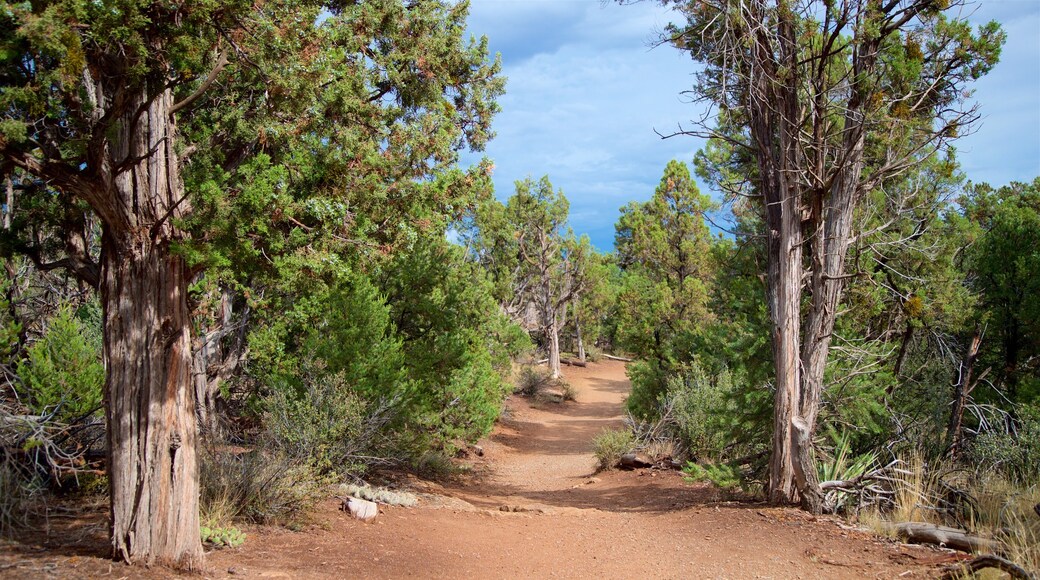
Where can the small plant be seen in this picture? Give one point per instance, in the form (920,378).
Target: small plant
(569,391)
(379,495)
(723,475)
(610,445)
(437,465)
(593,353)
(222,537)
(531,381)
(62,373)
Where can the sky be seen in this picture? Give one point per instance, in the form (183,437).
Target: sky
(586,96)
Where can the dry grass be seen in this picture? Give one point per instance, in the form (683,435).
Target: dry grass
(916,488)
(987,506)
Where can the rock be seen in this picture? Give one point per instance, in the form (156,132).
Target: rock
(635,461)
(361,509)
(478,450)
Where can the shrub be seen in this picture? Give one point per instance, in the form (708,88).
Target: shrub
(1015,453)
(62,372)
(610,445)
(702,409)
(260,486)
(569,391)
(222,537)
(722,475)
(593,353)
(326,424)
(531,380)
(20,496)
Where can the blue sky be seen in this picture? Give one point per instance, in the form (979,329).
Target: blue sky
(586,93)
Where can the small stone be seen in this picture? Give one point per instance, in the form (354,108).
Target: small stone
(232,570)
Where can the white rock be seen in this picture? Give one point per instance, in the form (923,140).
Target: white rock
(361,509)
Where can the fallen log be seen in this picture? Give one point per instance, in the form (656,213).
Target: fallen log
(921,533)
(573,362)
(988,561)
(635,461)
(620,358)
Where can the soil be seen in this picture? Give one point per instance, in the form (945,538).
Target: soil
(532,506)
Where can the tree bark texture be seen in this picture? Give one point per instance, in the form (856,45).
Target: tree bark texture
(153,472)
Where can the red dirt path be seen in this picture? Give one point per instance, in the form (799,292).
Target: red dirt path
(536,509)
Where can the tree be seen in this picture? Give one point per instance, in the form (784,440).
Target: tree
(273,125)
(832,100)
(665,248)
(551,262)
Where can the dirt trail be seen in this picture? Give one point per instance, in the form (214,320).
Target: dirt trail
(565,520)
(537,509)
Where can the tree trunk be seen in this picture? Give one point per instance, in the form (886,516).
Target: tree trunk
(153,472)
(962,387)
(553,335)
(581,344)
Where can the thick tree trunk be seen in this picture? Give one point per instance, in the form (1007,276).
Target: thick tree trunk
(779,157)
(153,479)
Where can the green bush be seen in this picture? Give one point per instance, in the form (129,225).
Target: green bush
(721,475)
(323,422)
(222,537)
(610,445)
(531,380)
(1017,454)
(703,411)
(63,371)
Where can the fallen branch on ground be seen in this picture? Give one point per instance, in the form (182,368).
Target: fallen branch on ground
(922,533)
(620,358)
(988,561)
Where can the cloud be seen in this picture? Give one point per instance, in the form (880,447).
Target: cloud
(586,93)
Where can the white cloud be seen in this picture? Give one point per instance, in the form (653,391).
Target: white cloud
(585,94)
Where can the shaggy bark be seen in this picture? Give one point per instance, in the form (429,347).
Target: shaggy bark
(153,479)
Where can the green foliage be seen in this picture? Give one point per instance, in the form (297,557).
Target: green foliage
(1015,454)
(1005,260)
(531,380)
(664,249)
(721,475)
(10,328)
(324,425)
(610,445)
(222,537)
(704,412)
(420,339)
(62,372)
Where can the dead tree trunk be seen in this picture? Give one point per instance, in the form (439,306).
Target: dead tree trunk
(962,387)
(153,479)
(553,336)
(581,344)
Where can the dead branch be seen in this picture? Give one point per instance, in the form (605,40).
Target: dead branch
(988,561)
(922,533)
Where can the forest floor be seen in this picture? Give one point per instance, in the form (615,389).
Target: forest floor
(533,506)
